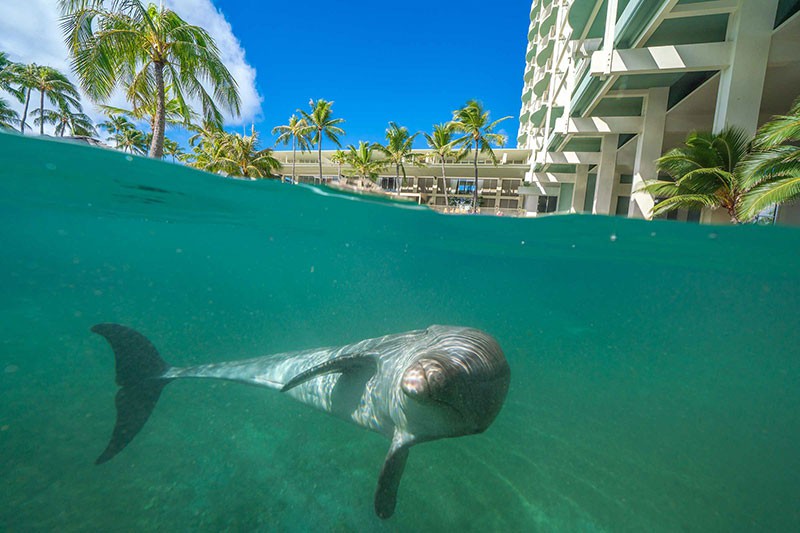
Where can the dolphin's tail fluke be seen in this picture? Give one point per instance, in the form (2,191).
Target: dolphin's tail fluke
(139,374)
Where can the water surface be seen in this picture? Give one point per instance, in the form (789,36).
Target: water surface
(654,365)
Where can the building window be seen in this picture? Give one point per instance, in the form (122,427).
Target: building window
(465,186)
(510,186)
(508,203)
(487,202)
(547,204)
(623,203)
(626,179)
(489,184)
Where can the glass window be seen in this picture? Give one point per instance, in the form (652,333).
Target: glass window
(465,186)
(626,178)
(623,203)
(547,204)
(508,203)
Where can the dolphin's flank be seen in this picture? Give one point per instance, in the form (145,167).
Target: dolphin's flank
(440,382)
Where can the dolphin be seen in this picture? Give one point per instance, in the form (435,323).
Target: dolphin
(423,385)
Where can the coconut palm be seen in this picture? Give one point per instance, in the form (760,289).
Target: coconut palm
(78,122)
(398,150)
(340,158)
(125,135)
(8,117)
(145,50)
(771,172)
(473,122)
(172,148)
(241,157)
(362,164)
(24,77)
(57,88)
(441,143)
(145,108)
(298,132)
(322,123)
(208,150)
(705,173)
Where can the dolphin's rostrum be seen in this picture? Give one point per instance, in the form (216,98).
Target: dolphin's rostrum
(440,382)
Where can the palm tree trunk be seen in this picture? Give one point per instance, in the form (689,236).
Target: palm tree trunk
(397,177)
(475,189)
(41,112)
(25,111)
(444,185)
(319,154)
(157,144)
(294,158)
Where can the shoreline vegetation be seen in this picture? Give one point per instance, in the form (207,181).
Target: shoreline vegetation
(173,77)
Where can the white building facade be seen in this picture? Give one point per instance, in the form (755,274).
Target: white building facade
(610,85)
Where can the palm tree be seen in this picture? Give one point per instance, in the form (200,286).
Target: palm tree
(322,123)
(398,149)
(172,148)
(24,77)
(78,122)
(58,89)
(473,122)
(297,131)
(208,150)
(363,165)
(441,143)
(339,157)
(8,117)
(144,108)
(242,157)
(125,134)
(146,49)
(771,172)
(705,173)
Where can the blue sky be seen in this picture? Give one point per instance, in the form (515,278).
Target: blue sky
(412,62)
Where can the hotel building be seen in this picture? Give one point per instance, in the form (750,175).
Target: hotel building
(610,85)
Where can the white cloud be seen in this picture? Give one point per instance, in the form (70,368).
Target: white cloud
(30,33)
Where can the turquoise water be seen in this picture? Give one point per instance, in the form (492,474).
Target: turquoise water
(654,365)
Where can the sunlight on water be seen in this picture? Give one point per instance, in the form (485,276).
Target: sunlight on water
(654,365)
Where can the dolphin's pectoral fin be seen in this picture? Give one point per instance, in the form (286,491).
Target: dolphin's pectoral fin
(391,472)
(342,365)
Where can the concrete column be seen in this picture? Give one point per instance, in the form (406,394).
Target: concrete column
(605,175)
(579,193)
(741,85)
(648,149)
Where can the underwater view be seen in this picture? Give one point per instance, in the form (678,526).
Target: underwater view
(655,377)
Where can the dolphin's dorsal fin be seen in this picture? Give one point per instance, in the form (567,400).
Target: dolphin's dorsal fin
(341,365)
(391,472)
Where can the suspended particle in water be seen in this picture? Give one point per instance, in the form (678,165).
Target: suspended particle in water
(178,250)
(4,427)
(712,236)
(10,369)
(50,166)
(312,269)
(129,158)
(522,243)
(613,237)
(652,233)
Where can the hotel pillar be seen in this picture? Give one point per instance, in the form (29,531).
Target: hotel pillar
(579,192)
(741,85)
(648,149)
(604,190)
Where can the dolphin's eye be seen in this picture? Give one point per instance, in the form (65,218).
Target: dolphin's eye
(424,380)
(415,383)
